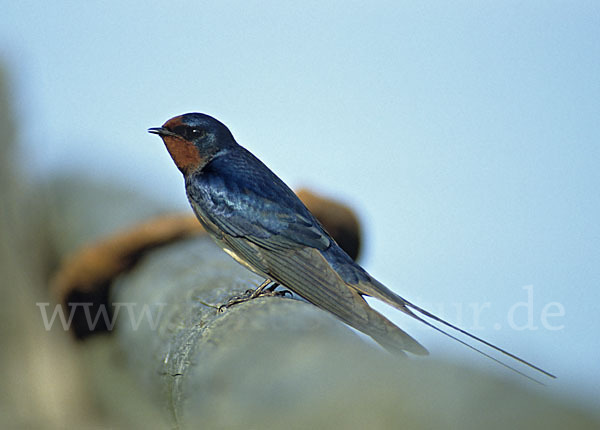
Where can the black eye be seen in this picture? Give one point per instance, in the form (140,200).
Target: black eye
(197,132)
(189,133)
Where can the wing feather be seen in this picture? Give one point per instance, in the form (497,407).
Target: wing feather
(307,273)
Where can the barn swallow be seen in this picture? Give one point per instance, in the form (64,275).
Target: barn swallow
(258,220)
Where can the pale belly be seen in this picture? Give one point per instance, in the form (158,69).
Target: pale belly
(213,232)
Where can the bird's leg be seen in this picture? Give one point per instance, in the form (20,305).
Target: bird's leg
(271,291)
(248,295)
(260,291)
(252,294)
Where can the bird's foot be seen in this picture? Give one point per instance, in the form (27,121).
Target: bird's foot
(261,291)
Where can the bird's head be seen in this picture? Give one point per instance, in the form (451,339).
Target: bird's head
(193,139)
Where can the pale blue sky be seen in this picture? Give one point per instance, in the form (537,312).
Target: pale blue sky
(466,134)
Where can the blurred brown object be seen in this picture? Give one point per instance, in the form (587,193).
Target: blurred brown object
(86,275)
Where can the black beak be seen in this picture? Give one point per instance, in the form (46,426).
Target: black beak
(161,131)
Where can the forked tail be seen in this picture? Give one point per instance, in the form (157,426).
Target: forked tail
(472,336)
(380,291)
